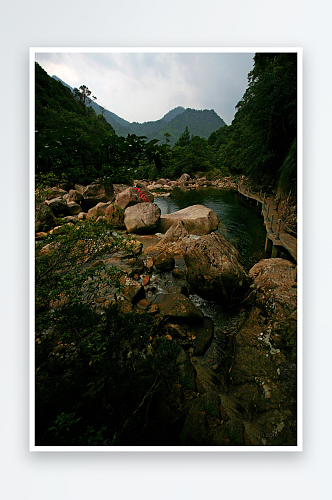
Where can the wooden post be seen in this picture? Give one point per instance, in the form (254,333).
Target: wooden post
(268,244)
(278,229)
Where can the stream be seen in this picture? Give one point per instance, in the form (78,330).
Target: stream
(242,225)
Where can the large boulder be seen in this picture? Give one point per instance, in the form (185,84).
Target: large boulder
(263,382)
(97,192)
(165,262)
(57,205)
(161,181)
(183,179)
(131,289)
(203,333)
(55,192)
(142,218)
(115,215)
(99,209)
(44,218)
(272,273)
(175,241)
(215,270)
(133,195)
(73,208)
(197,219)
(79,188)
(275,291)
(73,195)
(178,306)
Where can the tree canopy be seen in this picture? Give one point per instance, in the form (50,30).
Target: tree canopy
(73,144)
(260,142)
(264,128)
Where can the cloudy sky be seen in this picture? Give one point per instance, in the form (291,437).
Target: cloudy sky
(143,86)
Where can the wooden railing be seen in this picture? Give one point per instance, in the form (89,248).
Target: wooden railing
(278,233)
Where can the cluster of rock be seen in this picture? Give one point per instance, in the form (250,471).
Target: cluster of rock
(131,207)
(185,181)
(256,403)
(263,372)
(96,200)
(75,203)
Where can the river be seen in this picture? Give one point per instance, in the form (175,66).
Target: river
(240,223)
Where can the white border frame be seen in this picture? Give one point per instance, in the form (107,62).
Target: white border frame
(299,446)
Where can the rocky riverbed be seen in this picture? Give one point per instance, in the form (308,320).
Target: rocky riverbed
(237,330)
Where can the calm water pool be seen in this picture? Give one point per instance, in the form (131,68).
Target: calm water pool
(240,223)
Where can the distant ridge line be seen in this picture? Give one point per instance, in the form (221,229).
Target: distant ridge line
(168,128)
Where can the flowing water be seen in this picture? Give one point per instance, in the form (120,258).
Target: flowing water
(241,223)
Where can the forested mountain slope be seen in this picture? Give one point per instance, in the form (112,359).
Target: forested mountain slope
(199,122)
(261,142)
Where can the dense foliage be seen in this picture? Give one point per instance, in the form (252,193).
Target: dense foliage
(200,122)
(261,141)
(73,142)
(96,371)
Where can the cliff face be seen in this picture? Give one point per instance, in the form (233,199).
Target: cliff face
(287,208)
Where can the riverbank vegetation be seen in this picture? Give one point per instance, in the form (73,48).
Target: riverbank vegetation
(104,374)
(97,370)
(72,142)
(261,142)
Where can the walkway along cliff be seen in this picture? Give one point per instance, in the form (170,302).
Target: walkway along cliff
(278,235)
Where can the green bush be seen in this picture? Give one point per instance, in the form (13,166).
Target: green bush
(96,374)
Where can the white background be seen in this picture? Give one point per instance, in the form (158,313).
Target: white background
(240,23)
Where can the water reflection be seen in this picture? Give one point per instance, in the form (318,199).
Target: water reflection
(240,222)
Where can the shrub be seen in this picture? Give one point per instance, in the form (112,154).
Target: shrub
(96,374)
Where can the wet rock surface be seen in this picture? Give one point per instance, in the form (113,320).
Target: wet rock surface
(173,237)
(238,383)
(133,195)
(178,306)
(238,369)
(215,270)
(141,218)
(197,219)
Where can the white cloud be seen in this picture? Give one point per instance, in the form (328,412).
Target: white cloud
(66,73)
(144,86)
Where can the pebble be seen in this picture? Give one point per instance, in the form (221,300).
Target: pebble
(145,280)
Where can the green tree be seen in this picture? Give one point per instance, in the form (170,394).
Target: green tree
(83,95)
(167,137)
(75,145)
(261,135)
(184,138)
(194,156)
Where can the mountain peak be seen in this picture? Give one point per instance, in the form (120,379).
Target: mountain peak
(173,113)
(199,122)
